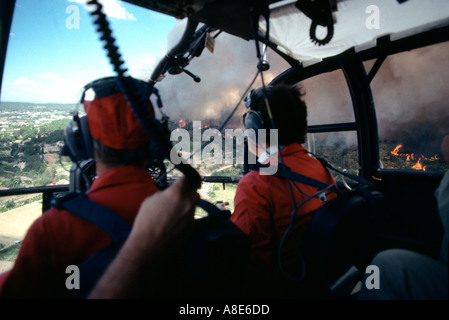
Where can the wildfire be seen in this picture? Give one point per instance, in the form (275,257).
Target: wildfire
(411,157)
(419,166)
(205,126)
(396,150)
(181,124)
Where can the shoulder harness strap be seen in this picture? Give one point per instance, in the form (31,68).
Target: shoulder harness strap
(80,205)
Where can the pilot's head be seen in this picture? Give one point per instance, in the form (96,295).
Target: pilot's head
(289,112)
(110,132)
(117,135)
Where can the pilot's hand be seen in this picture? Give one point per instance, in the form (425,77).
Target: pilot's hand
(161,225)
(165,217)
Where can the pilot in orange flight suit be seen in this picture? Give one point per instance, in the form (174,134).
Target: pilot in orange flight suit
(263,203)
(58,238)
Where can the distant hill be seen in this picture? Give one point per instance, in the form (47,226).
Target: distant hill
(42,107)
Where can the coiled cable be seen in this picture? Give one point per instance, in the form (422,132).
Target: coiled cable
(160,144)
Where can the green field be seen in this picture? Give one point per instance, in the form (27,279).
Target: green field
(9,253)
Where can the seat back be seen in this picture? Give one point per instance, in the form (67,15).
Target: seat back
(340,236)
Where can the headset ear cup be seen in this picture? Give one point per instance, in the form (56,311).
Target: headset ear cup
(254,121)
(70,146)
(78,142)
(87,138)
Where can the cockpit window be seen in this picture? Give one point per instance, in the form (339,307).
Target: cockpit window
(329,103)
(328,99)
(53,51)
(411,94)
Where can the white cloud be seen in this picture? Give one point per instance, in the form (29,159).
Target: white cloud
(112,8)
(48,75)
(61,91)
(141,65)
(24,81)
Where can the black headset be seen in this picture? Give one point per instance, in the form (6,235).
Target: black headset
(77,139)
(254,117)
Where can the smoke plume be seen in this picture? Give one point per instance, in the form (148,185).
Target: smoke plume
(225,74)
(411,92)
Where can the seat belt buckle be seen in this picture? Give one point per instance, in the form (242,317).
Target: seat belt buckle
(322,196)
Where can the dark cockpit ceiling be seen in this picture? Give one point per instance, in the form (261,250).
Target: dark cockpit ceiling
(231,16)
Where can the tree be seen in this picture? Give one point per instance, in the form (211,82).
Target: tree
(14,149)
(27,132)
(15,182)
(34,163)
(30,149)
(10,204)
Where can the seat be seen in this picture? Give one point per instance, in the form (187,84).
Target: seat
(339,243)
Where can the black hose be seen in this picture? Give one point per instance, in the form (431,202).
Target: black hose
(181,47)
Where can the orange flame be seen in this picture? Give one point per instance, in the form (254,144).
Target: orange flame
(181,124)
(205,126)
(419,166)
(411,157)
(396,150)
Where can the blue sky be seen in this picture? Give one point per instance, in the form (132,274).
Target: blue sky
(52,54)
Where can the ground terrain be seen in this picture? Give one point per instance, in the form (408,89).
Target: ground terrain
(13,227)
